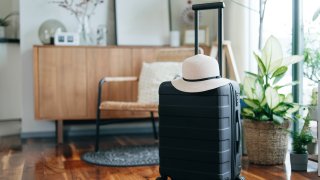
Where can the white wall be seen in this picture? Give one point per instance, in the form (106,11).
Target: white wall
(6,7)
(32,14)
(10,81)
(10,68)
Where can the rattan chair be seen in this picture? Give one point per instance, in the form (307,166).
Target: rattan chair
(169,54)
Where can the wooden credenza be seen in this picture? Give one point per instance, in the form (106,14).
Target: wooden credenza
(66,79)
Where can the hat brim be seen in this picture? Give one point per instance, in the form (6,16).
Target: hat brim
(199,86)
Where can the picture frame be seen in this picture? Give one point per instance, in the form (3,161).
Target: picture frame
(203,38)
(142,22)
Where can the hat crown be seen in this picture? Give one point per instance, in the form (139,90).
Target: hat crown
(200,66)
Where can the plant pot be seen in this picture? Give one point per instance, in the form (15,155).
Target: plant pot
(299,162)
(2,32)
(266,142)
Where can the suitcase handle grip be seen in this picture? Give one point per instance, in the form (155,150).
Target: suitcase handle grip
(206,6)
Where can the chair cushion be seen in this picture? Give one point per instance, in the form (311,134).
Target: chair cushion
(128,106)
(152,75)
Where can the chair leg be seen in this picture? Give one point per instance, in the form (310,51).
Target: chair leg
(155,133)
(97,131)
(98,115)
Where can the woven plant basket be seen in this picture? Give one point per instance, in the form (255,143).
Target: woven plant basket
(266,143)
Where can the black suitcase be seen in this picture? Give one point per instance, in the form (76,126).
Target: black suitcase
(200,132)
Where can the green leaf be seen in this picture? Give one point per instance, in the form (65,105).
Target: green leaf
(281,97)
(260,64)
(281,109)
(291,60)
(252,74)
(263,102)
(277,119)
(316,14)
(272,97)
(259,91)
(264,118)
(289,84)
(271,52)
(294,109)
(251,103)
(248,85)
(248,112)
(280,71)
(289,98)
(275,65)
(277,79)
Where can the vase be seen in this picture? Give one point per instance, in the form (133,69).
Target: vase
(266,142)
(84,30)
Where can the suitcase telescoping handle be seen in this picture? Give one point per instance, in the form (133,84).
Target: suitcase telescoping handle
(207,6)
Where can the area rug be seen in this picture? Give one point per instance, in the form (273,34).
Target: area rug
(126,156)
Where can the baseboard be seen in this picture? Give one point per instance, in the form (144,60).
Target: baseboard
(27,135)
(10,120)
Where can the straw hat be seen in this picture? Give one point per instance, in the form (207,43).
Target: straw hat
(199,73)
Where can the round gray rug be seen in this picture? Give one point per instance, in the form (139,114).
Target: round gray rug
(142,155)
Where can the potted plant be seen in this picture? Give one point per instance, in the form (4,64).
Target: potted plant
(300,140)
(4,22)
(312,72)
(267,115)
(312,108)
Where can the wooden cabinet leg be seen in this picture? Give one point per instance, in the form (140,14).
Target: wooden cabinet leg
(59,131)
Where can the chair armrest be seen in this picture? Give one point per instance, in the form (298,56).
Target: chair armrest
(113,79)
(120,79)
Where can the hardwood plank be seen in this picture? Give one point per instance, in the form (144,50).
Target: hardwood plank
(43,159)
(11,174)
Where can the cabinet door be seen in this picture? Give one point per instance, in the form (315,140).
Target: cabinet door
(110,62)
(62,82)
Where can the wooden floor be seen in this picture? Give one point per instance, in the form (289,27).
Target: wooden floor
(44,160)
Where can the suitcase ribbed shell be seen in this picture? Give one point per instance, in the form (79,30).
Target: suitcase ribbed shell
(198,133)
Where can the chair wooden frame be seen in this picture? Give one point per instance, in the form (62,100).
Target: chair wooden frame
(163,55)
(149,107)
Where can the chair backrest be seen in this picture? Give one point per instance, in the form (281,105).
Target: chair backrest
(174,55)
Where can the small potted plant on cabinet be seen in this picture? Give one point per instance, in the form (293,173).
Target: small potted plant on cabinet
(300,140)
(267,115)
